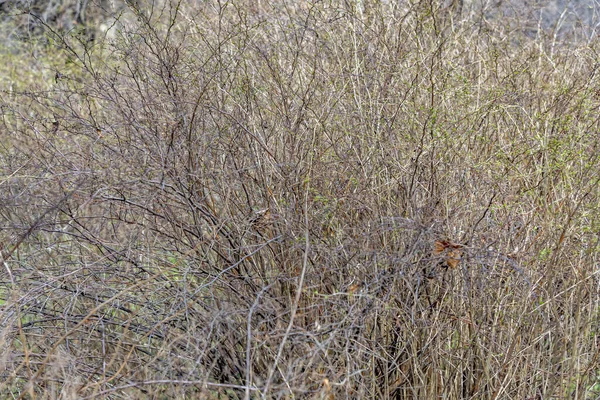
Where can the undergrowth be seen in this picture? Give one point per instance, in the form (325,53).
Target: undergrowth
(300,200)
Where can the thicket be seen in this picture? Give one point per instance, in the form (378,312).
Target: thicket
(300,200)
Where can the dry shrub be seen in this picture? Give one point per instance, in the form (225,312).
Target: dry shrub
(317,200)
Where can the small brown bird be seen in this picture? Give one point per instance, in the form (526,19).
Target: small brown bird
(261,220)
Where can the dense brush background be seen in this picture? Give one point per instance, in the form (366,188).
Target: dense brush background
(212,199)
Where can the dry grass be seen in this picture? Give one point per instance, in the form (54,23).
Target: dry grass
(243,200)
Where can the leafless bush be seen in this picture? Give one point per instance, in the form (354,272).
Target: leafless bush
(317,200)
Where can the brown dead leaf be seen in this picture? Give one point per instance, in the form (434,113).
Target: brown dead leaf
(452,252)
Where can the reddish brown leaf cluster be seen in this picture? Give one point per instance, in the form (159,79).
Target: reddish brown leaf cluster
(451,252)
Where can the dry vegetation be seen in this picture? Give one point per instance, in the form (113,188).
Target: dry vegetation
(300,200)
